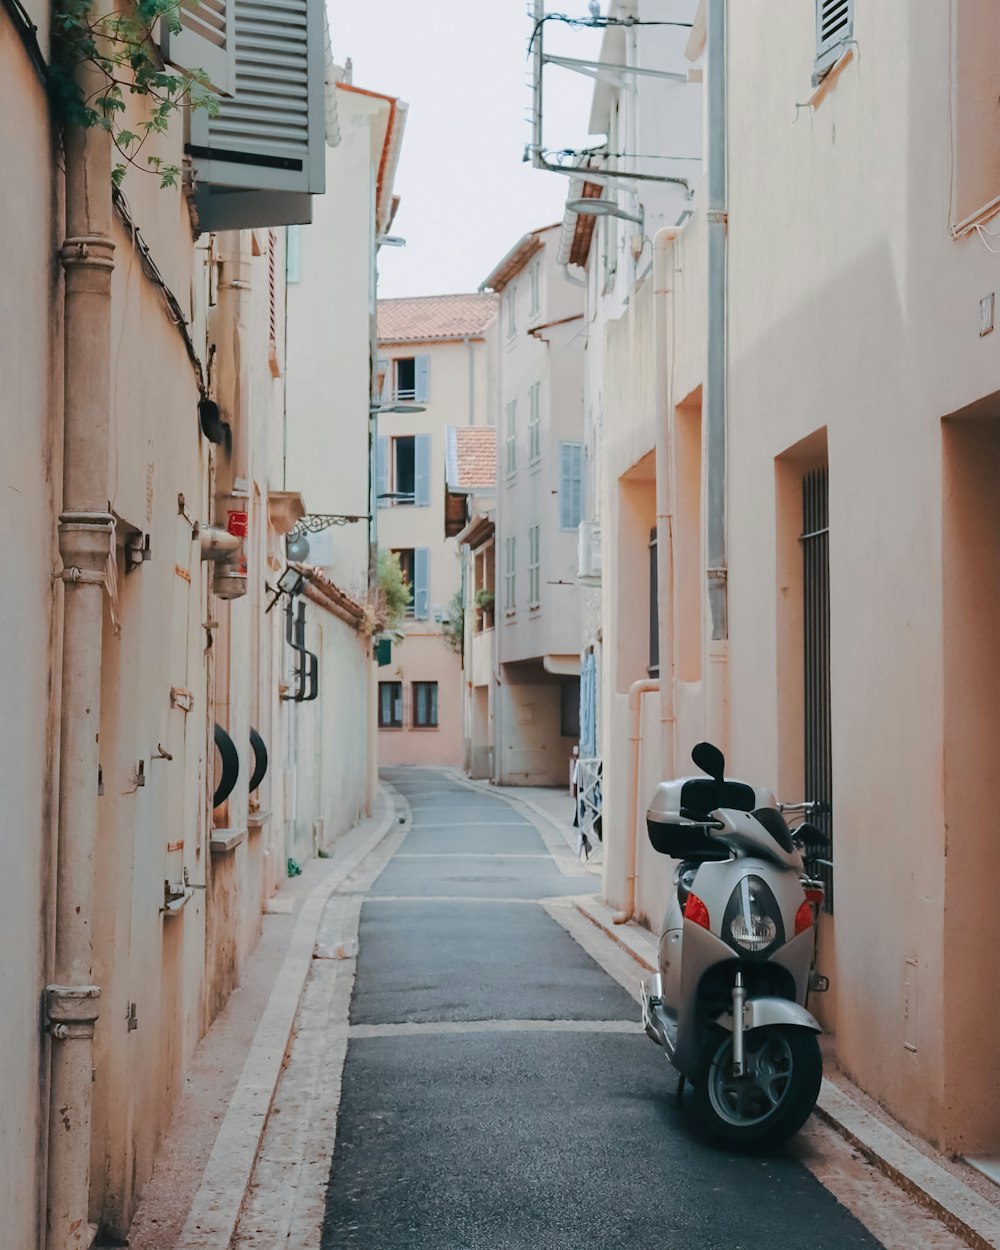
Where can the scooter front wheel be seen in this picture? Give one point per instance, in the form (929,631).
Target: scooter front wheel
(772,1100)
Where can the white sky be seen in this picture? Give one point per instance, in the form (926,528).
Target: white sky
(462,67)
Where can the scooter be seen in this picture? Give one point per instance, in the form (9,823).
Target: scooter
(736,957)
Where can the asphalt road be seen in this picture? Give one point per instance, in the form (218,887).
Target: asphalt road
(498,1093)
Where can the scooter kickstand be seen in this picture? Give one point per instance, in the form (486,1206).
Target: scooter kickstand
(679,1092)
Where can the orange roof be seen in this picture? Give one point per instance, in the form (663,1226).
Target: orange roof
(424,318)
(471,458)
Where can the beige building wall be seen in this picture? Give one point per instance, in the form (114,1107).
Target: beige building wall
(30,366)
(539,344)
(457,395)
(855,343)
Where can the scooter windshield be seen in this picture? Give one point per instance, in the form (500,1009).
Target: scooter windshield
(775,824)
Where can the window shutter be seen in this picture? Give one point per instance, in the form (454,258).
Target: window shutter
(269,136)
(834,27)
(422,470)
(421,583)
(422,373)
(382,469)
(382,367)
(205,41)
(570,485)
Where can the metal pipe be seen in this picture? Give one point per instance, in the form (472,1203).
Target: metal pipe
(86,542)
(635,692)
(663,311)
(715,378)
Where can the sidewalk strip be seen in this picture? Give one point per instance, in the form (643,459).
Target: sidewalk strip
(215,1210)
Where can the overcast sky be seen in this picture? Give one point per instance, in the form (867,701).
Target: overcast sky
(462,67)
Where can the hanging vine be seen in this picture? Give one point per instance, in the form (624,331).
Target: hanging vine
(121,47)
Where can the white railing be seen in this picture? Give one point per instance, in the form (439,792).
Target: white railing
(588,805)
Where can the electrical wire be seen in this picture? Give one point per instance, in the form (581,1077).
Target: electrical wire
(598,23)
(152,272)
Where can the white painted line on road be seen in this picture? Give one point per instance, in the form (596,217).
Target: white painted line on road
(469,855)
(431,1028)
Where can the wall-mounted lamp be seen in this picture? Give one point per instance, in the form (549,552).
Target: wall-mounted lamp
(290,583)
(604,208)
(390,240)
(396,408)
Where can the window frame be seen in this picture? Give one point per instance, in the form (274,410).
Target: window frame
(510,575)
(415,688)
(391,723)
(535,423)
(510,442)
(534,567)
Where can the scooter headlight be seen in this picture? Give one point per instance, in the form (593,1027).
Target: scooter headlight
(752,921)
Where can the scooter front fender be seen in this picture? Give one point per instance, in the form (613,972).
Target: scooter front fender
(760,1012)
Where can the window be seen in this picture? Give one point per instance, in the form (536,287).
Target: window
(535,274)
(570,485)
(404,470)
(414,563)
(425,705)
(834,29)
(509,588)
(390,705)
(534,567)
(511,311)
(510,442)
(534,422)
(411,378)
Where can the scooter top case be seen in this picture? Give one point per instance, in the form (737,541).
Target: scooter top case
(678,810)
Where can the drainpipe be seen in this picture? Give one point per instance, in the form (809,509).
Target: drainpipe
(86,539)
(663,311)
(716,572)
(635,692)
(230,333)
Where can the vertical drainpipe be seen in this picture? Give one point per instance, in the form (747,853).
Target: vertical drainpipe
(715,380)
(663,312)
(86,538)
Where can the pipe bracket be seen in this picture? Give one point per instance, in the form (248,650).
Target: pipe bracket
(94,250)
(71,1011)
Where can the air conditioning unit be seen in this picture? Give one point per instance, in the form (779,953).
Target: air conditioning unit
(589,566)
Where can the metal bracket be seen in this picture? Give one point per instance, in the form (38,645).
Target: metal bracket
(71,1010)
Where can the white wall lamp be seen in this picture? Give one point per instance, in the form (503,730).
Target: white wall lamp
(605,208)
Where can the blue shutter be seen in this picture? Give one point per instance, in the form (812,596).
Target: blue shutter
(421,583)
(422,470)
(570,485)
(382,470)
(422,373)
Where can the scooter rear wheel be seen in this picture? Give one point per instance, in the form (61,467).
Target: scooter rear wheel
(773,1100)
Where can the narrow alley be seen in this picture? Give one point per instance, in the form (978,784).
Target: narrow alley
(498,1091)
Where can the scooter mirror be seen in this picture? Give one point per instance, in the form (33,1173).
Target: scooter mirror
(710,760)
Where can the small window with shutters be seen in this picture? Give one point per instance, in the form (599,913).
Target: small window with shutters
(262,157)
(834,31)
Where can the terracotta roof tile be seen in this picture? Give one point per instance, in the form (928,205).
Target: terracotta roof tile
(471,458)
(434,317)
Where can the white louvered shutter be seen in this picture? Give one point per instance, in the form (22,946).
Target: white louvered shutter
(269,136)
(834,27)
(205,41)
(421,583)
(422,470)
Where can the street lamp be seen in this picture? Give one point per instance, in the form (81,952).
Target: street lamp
(604,208)
(376,408)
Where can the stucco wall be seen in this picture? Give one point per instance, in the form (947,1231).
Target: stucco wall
(30,456)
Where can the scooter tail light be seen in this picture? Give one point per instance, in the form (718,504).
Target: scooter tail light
(803,918)
(696,911)
(815,894)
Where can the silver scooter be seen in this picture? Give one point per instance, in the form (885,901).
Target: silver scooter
(736,957)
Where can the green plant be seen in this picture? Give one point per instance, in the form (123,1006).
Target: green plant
(484,599)
(453,627)
(394,595)
(120,47)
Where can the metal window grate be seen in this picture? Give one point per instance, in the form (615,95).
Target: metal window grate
(815,541)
